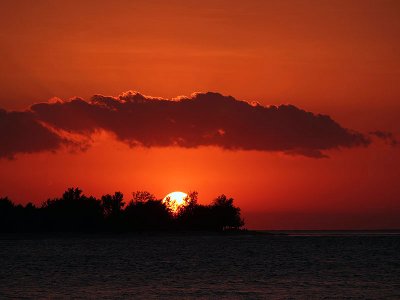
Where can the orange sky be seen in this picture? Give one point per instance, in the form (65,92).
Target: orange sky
(340,58)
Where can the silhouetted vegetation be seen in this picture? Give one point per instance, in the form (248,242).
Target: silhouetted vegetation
(75,212)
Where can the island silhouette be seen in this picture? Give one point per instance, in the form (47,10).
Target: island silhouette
(76,212)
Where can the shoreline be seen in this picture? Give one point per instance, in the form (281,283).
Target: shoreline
(188,233)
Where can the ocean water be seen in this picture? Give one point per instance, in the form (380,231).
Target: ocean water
(301,265)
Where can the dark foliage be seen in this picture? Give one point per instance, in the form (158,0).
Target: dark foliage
(75,212)
(220,215)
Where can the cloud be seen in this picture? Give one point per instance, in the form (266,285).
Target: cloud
(20,132)
(386,136)
(203,119)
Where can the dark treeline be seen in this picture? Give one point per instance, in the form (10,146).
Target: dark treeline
(75,212)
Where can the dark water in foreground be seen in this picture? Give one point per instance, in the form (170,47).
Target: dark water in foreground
(247,266)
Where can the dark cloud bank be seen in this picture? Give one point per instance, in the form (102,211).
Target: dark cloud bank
(204,119)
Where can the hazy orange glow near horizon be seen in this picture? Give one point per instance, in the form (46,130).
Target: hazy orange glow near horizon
(339,58)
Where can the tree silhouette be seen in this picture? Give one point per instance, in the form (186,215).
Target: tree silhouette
(112,205)
(226,215)
(7,215)
(221,215)
(145,212)
(75,212)
(191,200)
(112,209)
(142,196)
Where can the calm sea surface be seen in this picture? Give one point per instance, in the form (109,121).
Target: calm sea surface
(303,265)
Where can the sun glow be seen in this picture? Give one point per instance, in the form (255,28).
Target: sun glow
(176,200)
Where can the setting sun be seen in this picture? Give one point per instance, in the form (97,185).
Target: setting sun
(270,127)
(175,200)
